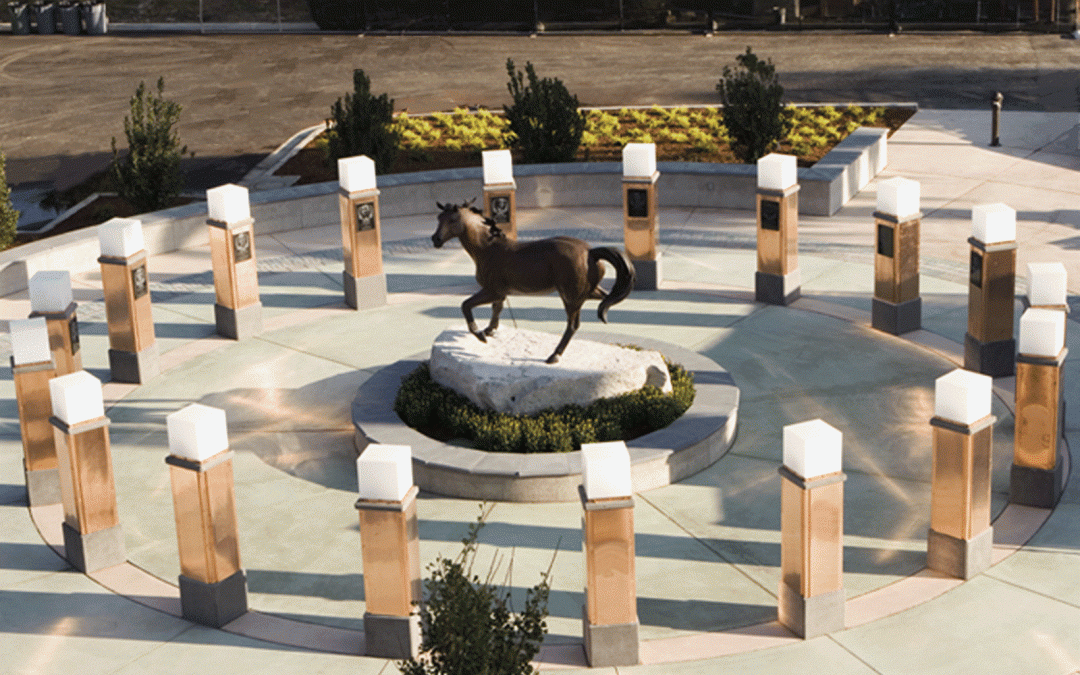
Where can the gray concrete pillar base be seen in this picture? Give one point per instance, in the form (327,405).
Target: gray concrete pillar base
(896,318)
(777,289)
(648,274)
(96,550)
(134,367)
(364,292)
(238,324)
(214,604)
(996,359)
(43,487)
(391,637)
(960,558)
(1041,488)
(813,616)
(610,644)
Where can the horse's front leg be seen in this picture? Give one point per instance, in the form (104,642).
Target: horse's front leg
(482,297)
(573,320)
(496,309)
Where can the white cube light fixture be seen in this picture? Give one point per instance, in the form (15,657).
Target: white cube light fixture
(498,167)
(993,223)
(197,432)
(1042,332)
(29,341)
(228,203)
(121,237)
(812,449)
(1047,283)
(50,291)
(356,174)
(639,160)
(898,197)
(384,472)
(76,398)
(777,172)
(605,470)
(962,396)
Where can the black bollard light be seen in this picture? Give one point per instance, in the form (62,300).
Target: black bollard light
(995,123)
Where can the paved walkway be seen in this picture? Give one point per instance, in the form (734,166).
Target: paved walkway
(707,547)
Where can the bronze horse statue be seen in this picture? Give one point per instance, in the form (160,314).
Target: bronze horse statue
(505,267)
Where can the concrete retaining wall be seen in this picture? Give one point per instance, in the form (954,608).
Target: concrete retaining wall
(826,187)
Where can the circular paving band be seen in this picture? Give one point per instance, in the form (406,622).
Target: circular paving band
(689,444)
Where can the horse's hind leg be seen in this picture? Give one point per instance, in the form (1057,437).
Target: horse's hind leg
(496,309)
(573,320)
(482,297)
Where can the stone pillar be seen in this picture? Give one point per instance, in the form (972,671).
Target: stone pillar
(961,538)
(609,617)
(213,588)
(1037,476)
(237,312)
(640,232)
(358,198)
(989,347)
(777,281)
(500,190)
(897,307)
(811,595)
(133,353)
(50,297)
(390,542)
(93,539)
(32,368)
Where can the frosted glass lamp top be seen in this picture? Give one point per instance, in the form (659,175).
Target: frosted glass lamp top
(228,203)
(384,472)
(498,167)
(356,173)
(812,449)
(605,470)
(76,397)
(197,432)
(777,172)
(1042,332)
(50,291)
(639,160)
(1047,283)
(962,396)
(898,197)
(30,341)
(120,237)
(993,223)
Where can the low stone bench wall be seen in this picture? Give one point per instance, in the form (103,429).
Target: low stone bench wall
(826,187)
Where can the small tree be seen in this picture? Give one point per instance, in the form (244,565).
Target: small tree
(544,118)
(751,94)
(468,624)
(148,176)
(9,217)
(363,125)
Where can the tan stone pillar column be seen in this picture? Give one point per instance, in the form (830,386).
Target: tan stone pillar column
(897,307)
(500,191)
(50,297)
(237,311)
(777,281)
(640,231)
(361,233)
(989,347)
(133,353)
(32,368)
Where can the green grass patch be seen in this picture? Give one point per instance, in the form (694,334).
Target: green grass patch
(442,413)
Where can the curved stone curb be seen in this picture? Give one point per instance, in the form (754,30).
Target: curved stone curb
(691,443)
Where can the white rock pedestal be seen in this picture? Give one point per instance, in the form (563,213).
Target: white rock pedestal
(508,373)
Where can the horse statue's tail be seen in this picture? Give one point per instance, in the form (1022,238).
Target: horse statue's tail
(624,276)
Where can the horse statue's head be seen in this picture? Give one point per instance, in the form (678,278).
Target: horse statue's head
(456,219)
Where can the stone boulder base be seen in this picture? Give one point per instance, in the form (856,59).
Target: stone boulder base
(508,373)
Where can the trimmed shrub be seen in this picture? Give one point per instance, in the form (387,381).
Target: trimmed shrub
(425,405)
(751,94)
(9,217)
(363,124)
(148,176)
(544,118)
